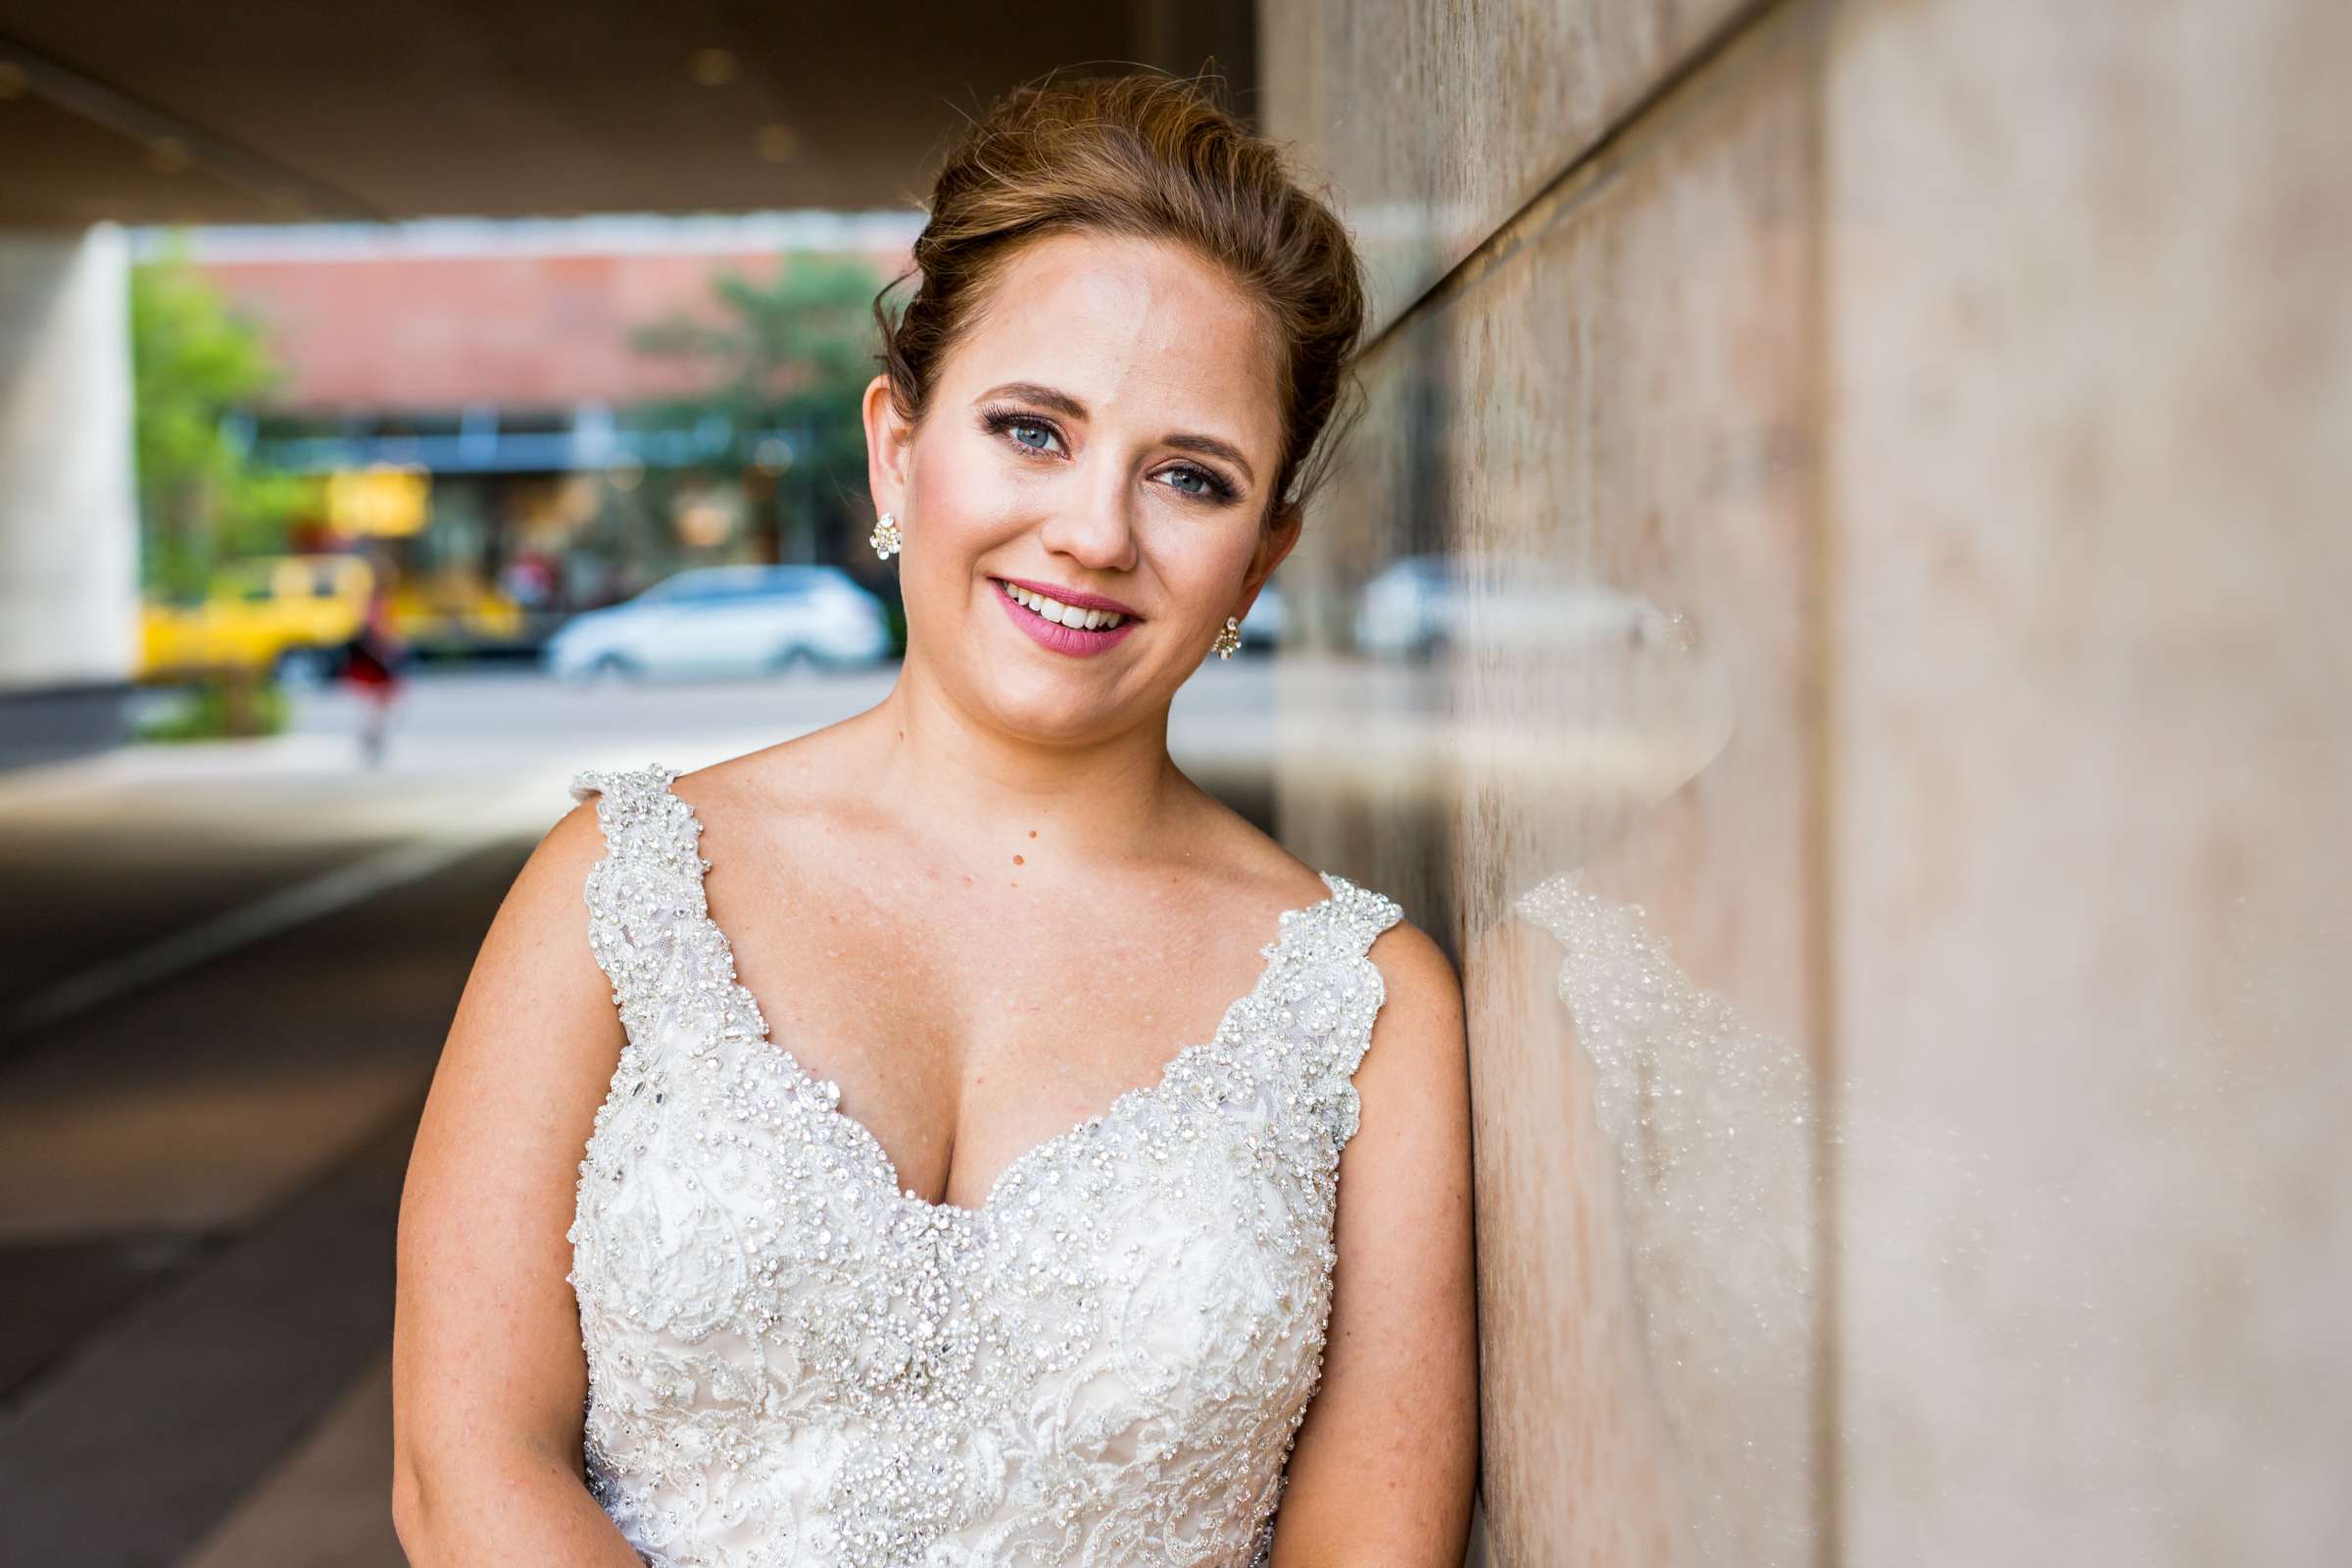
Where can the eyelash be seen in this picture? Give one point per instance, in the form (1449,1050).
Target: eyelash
(997,422)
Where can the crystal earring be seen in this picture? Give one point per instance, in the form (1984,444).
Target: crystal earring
(885,538)
(1229,641)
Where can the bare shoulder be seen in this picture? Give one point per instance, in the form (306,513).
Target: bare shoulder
(536,1021)
(573,842)
(787,767)
(533,1040)
(800,789)
(1419,1031)
(486,1355)
(535,922)
(1386,1460)
(543,918)
(1413,968)
(1413,1085)
(1240,862)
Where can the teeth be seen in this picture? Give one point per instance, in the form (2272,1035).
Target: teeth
(1070,616)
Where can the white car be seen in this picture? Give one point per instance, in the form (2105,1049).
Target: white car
(1421,606)
(712,622)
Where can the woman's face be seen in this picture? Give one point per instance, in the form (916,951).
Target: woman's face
(1107,428)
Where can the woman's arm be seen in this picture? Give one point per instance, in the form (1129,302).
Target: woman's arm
(1387,1459)
(488,1377)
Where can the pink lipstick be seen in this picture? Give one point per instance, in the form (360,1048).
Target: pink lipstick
(1053,634)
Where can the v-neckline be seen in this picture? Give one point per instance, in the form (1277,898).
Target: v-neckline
(828,1093)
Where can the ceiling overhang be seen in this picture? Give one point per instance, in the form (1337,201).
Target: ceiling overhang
(267,111)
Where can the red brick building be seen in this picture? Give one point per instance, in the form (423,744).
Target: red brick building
(498,359)
(439,317)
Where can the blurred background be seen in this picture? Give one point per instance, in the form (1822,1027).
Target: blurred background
(1833,617)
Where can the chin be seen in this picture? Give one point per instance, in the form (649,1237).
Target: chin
(1049,697)
(1036,704)
(1031,691)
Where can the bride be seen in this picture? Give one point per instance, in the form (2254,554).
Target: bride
(960,1140)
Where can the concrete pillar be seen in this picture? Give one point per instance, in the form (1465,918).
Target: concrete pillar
(69,522)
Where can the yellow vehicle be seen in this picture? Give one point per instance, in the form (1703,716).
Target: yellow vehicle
(456,612)
(285,614)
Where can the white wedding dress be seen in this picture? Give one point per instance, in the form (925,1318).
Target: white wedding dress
(792,1361)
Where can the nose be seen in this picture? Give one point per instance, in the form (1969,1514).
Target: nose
(1094,524)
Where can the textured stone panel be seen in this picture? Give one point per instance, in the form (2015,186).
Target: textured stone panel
(2090,403)
(1605,424)
(1437,120)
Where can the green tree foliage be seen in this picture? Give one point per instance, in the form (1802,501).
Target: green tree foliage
(196,366)
(782,364)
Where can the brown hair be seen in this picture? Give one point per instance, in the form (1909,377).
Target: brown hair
(1154,157)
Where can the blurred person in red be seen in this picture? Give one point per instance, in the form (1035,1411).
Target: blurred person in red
(373,661)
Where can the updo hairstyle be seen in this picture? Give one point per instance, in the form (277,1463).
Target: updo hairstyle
(1150,156)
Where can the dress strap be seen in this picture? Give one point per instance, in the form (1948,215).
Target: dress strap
(1354,919)
(1333,994)
(1358,913)
(641,818)
(641,894)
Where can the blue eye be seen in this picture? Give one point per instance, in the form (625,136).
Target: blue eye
(1011,421)
(1214,487)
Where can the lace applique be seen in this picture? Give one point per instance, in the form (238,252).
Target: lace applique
(791,1360)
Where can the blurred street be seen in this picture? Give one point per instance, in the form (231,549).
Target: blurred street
(229,967)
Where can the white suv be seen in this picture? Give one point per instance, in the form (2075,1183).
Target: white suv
(711,621)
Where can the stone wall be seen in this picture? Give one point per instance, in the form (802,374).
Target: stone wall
(1834,617)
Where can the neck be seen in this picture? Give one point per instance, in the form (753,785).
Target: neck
(974,786)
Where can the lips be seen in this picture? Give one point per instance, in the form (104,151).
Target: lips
(1055,636)
(1073,598)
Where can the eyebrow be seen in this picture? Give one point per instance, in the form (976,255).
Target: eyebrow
(1062,402)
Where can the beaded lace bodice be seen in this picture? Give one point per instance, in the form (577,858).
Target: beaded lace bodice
(792,1361)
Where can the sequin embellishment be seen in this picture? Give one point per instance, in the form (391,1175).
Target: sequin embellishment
(793,1361)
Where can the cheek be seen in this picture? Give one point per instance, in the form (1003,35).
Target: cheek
(1201,567)
(961,501)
